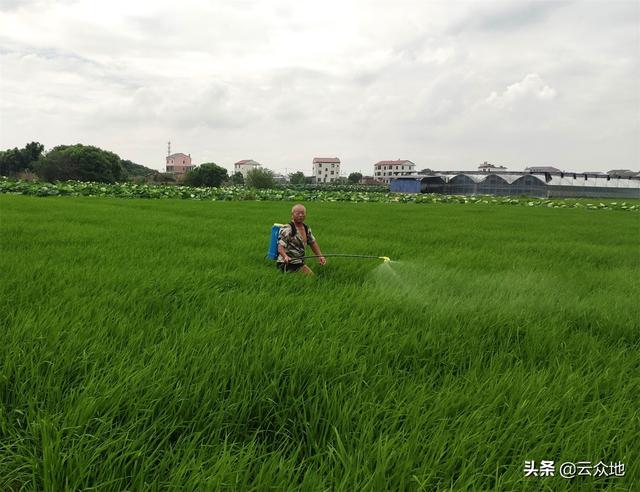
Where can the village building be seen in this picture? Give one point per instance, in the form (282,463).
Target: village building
(326,169)
(386,170)
(541,169)
(179,164)
(488,167)
(245,166)
(371,181)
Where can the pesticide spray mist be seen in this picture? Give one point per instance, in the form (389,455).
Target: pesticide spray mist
(401,280)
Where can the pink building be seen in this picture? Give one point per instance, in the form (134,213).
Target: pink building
(179,163)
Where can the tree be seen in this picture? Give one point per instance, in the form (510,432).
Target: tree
(14,161)
(32,152)
(134,169)
(297,178)
(82,163)
(237,178)
(207,174)
(354,178)
(260,178)
(11,162)
(164,178)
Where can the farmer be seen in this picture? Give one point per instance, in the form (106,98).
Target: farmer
(292,241)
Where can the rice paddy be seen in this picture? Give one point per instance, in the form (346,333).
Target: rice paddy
(148,345)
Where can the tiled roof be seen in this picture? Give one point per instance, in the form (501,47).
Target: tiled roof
(328,160)
(247,161)
(179,154)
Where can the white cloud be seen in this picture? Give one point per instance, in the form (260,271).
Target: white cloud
(531,87)
(446,85)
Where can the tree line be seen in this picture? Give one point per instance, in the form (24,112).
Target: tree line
(89,163)
(69,162)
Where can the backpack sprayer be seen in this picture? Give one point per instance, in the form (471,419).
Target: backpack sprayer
(273,248)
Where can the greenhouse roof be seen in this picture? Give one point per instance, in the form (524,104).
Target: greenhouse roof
(555,179)
(509,178)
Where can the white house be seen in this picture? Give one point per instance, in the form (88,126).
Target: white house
(385,170)
(245,166)
(326,169)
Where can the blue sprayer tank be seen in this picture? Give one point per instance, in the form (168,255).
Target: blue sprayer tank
(273,245)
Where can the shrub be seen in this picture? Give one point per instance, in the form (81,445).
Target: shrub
(237,179)
(260,178)
(207,174)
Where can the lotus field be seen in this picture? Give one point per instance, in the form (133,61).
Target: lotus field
(324,194)
(148,345)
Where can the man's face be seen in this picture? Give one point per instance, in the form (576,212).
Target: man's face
(298,215)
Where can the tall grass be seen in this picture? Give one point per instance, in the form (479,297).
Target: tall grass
(149,345)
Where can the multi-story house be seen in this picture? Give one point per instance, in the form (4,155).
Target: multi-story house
(385,170)
(245,166)
(179,163)
(326,169)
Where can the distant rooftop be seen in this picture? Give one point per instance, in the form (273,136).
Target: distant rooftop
(392,163)
(326,160)
(623,172)
(488,165)
(542,169)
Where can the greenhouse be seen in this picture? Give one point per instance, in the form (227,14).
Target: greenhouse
(542,185)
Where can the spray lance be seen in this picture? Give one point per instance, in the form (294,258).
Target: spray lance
(385,259)
(273,249)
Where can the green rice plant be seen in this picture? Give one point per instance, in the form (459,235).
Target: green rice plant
(147,344)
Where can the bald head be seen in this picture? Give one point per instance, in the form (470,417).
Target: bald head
(298,213)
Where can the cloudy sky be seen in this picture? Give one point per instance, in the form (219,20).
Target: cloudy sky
(446,85)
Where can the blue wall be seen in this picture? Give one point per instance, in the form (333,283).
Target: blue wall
(405,186)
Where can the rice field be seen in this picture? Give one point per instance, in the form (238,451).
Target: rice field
(148,345)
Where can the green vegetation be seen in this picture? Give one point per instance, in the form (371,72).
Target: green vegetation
(297,178)
(14,161)
(71,162)
(354,178)
(82,163)
(237,179)
(260,179)
(137,170)
(147,345)
(136,190)
(207,174)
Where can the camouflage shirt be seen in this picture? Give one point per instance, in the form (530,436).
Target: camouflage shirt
(294,246)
